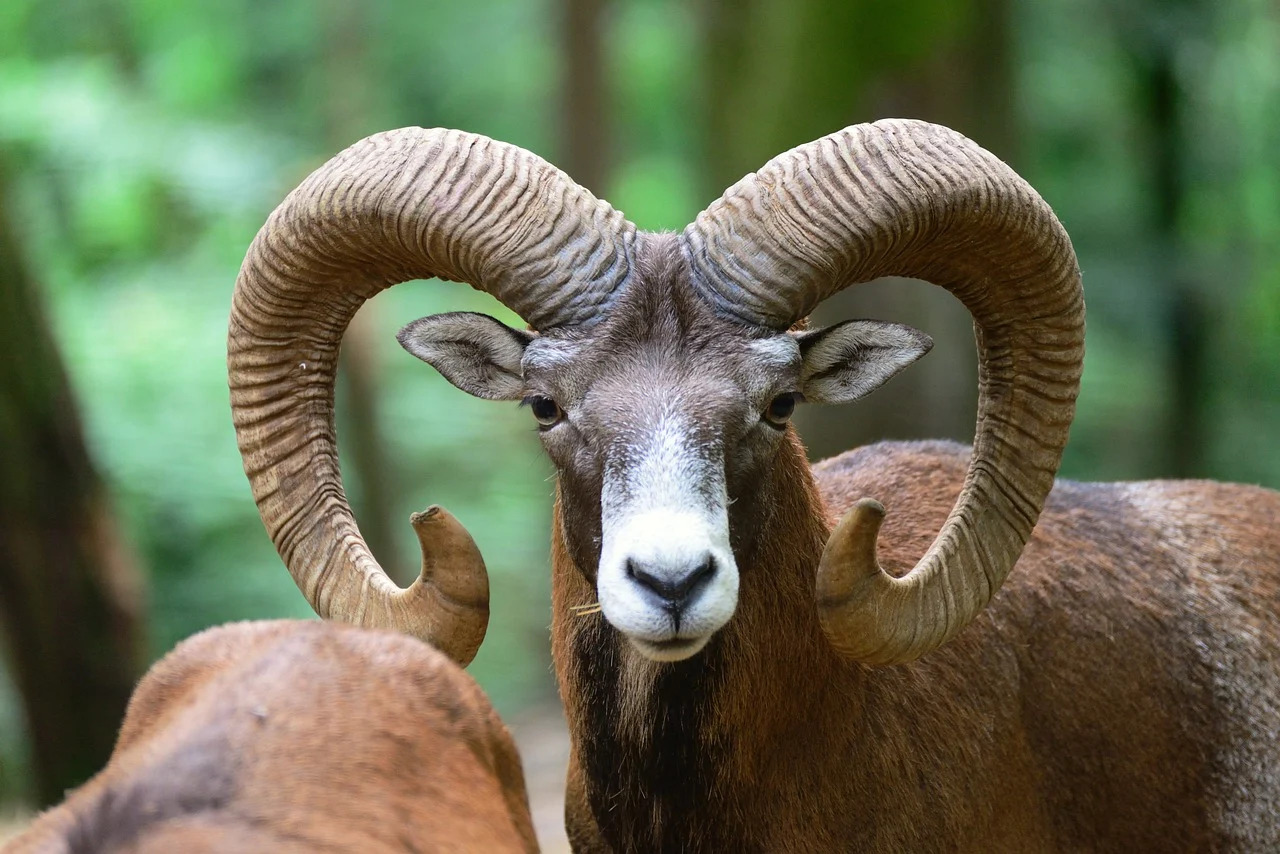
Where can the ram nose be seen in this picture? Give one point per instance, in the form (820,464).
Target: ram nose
(674,589)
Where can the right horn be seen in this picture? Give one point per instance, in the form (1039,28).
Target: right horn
(406,204)
(908,198)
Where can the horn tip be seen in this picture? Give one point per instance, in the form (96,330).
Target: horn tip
(451,560)
(849,559)
(433,514)
(869,509)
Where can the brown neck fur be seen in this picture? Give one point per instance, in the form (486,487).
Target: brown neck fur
(658,740)
(1076,713)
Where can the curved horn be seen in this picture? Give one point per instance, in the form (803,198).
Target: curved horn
(907,198)
(406,204)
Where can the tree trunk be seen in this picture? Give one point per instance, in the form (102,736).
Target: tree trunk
(1186,314)
(778,73)
(1153,35)
(359,416)
(586,141)
(70,593)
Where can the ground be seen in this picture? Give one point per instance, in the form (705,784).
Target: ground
(544,746)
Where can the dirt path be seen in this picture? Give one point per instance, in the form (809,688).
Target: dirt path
(544,747)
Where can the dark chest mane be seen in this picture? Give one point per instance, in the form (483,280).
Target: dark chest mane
(650,761)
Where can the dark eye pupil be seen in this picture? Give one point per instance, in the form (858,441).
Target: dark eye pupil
(545,409)
(782,407)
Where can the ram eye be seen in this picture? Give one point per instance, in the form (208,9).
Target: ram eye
(545,410)
(778,413)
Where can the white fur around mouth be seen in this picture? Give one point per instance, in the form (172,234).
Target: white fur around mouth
(676,649)
(661,539)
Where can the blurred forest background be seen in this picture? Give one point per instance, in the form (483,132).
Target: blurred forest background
(143,142)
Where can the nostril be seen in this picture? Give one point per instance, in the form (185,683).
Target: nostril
(702,573)
(675,590)
(647,579)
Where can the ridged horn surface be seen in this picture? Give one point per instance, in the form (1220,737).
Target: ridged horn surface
(406,204)
(908,198)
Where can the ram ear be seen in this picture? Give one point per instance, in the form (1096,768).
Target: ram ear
(852,359)
(473,351)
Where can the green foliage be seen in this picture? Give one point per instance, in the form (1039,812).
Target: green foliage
(148,140)
(656,181)
(14,753)
(142,170)
(1091,157)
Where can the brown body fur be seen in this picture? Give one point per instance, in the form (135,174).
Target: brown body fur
(1120,693)
(300,736)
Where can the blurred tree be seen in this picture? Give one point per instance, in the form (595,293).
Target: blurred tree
(70,595)
(586,138)
(778,74)
(373,489)
(153,138)
(1156,37)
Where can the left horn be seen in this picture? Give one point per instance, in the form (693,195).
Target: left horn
(907,198)
(407,204)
